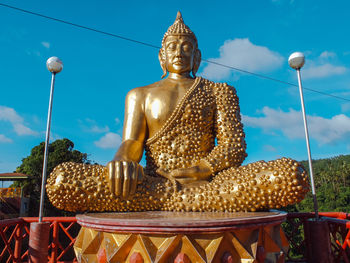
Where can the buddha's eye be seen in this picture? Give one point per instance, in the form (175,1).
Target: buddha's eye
(171,46)
(187,47)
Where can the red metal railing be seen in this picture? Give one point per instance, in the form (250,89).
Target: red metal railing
(339,226)
(14,239)
(10,233)
(14,236)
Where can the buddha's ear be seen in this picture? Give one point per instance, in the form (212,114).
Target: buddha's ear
(196,61)
(162,63)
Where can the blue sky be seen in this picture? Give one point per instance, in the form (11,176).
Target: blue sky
(99,70)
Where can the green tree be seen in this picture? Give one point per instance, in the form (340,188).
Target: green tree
(332,182)
(59,151)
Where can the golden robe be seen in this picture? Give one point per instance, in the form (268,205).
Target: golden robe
(208,111)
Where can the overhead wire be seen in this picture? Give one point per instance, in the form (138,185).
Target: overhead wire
(157,47)
(274,79)
(80,26)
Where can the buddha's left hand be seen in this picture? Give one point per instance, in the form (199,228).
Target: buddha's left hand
(199,172)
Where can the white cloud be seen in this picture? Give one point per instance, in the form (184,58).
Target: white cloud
(4,139)
(327,54)
(10,115)
(117,121)
(46,44)
(97,129)
(21,129)
(323,66)
(242,54)
(109,140)
(33,52)
(323,130)
(322,71)
(89,125)
(269,148)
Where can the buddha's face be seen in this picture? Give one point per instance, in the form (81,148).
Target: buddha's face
(179,54)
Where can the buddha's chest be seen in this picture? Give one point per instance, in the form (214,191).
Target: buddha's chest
(159,107)
(195,107)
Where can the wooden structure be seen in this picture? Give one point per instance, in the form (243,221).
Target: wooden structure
(13,201)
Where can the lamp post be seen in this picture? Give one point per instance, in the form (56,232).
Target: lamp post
(54,65)
(297,61)
(40,231)
(317,231)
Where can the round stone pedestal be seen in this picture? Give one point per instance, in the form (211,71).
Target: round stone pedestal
(167,237)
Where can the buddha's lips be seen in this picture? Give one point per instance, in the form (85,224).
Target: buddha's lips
(178,61)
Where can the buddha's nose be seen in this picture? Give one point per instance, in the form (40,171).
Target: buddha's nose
(178,51)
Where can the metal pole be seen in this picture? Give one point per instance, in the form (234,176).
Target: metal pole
(47,141)
(308,145)
(40,231)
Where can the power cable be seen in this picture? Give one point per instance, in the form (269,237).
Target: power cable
(157,47)
(276,80)
(80,26)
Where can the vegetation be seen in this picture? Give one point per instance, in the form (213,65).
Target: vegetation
(59,151)
(332,183)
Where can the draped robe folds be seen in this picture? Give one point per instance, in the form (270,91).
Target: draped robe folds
(207,113)
(205,126)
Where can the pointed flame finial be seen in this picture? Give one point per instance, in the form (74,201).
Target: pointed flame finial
(179,28)
(179,17)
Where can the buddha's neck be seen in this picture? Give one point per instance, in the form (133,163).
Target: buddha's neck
(181,76)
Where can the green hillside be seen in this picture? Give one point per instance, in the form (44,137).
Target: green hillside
(332,182)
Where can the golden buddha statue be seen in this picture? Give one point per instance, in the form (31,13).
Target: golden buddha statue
(193,137)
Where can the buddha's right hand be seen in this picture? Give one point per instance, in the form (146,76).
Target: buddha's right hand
(123,177)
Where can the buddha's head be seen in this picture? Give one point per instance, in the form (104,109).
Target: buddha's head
(179,52)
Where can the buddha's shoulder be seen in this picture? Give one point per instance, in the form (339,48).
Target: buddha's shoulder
(144,90)
(219,87)
(141,91)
